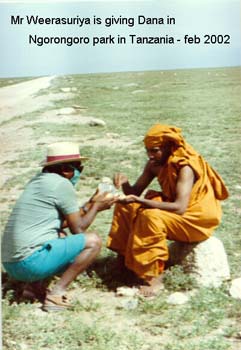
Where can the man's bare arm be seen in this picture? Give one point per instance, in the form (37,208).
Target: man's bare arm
(77,222)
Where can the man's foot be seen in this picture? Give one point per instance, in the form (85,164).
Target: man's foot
(55,302)
(34,291)
(153,287)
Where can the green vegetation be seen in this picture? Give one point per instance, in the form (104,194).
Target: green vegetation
(10,81)
(206,105)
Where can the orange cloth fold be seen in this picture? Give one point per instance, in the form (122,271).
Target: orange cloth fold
(158,134)
(140,234)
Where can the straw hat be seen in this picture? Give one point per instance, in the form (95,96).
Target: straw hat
(62,152)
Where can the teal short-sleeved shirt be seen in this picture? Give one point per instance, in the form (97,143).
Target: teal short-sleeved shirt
(37,215)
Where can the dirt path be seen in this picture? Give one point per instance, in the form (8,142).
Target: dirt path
(17,138)
(20,98)
(15,101)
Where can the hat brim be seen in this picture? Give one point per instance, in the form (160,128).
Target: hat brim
(70,160)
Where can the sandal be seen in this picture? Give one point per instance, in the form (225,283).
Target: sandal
(56,303)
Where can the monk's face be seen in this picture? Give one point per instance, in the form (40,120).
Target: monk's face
(159,154)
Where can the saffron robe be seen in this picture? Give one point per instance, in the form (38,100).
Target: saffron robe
(140,234)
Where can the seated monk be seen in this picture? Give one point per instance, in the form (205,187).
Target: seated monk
(187,209)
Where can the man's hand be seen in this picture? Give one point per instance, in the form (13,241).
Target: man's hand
(80,221)
(101,196)
(103,202)
(119,179)
(94,196)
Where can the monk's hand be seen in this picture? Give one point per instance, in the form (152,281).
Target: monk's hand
(151,194)
(131,198)
(119,179)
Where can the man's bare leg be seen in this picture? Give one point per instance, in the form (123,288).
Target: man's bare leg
(82,261)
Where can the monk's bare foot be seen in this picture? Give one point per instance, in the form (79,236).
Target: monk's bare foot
(153,287)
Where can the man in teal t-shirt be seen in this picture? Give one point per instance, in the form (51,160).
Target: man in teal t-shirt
(32,245)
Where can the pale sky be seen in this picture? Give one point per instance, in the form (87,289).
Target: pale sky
(219,18)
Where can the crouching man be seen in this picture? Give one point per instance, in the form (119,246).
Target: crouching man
(33,245)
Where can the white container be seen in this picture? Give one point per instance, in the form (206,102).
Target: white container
(106,185)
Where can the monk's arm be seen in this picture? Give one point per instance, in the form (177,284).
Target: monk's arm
(140,185)
(184,186)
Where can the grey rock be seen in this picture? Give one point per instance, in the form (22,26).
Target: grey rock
(96,122)
(126,291)
(206,261)
(79,107)
(177,298)
(235,289)
(138,91)
(67,89)
(131,84)
(65,111)
(128,303)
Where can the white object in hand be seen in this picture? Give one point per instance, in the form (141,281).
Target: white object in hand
(106,185)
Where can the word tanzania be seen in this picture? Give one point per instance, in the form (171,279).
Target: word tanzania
(81,21)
